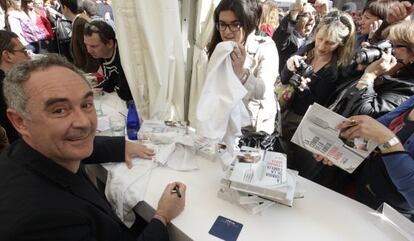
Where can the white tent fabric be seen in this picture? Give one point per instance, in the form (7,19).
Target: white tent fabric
(204,29)
(150,44)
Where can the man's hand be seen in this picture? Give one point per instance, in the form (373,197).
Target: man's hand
(136,150)
(297,8)
(171,203)
(321,7)
(399,11)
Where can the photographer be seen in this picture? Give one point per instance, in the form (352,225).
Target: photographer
(384,84)
(329,51)
(372,17)
(294,30)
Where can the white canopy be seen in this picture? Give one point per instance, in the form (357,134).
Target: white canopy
(152,53)
(151,50)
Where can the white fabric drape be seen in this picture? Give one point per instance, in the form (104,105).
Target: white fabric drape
(221,112)
(151,50)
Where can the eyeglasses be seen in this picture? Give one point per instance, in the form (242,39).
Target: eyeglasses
(395,46)
(23,50)
(234,26)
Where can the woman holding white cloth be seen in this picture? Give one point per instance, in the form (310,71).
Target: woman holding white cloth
(254,59)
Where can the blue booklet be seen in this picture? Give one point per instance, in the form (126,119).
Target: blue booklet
(226,229)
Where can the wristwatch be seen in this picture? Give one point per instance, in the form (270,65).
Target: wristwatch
(391,142)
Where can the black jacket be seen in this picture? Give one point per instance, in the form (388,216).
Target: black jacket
(386,94)
(40,200)
(321,86)
(286,40)
(114,76)
(12,134)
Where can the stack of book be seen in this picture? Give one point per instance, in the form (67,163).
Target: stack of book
(259,178)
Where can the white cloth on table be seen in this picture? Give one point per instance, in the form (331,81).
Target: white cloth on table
(174,150)
(220,110)
(182,159)
(126,187)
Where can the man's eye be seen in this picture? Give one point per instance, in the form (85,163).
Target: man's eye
(88,105)
(59,111)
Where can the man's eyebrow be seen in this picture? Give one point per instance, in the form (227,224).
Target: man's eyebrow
(88,94)
(53,101)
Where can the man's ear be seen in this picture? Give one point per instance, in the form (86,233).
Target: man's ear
(111,43)
(5,56)
(18,121)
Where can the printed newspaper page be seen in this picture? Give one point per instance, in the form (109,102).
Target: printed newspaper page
(317,134)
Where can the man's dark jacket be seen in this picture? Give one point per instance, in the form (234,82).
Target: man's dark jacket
(41,200)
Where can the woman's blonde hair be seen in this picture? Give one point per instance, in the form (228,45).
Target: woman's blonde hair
(270,8)
(339,27)
(402,32)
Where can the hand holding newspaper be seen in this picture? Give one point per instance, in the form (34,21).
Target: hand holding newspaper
(317,133)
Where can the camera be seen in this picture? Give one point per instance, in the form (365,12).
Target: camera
(373,52)
(304,70)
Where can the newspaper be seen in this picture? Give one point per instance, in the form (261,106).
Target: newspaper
(317,133)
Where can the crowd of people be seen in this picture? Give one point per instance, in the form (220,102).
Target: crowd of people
(313,50)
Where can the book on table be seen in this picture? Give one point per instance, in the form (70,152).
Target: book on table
(265,174)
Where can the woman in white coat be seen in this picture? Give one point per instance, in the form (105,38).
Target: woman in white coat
(255,59)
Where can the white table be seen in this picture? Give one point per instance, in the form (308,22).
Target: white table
(321,215)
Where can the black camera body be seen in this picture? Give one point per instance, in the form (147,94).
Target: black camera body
(373,52)
(304,70)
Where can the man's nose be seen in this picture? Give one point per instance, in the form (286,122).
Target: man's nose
(88,49)
(80,118)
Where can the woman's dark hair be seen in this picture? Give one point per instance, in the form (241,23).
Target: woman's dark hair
(23,5)
(3,5)
(246,12)
(73,5)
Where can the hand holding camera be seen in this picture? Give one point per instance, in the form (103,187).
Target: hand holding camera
(377,68)
(373,52)
(382,65)
(302,72)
